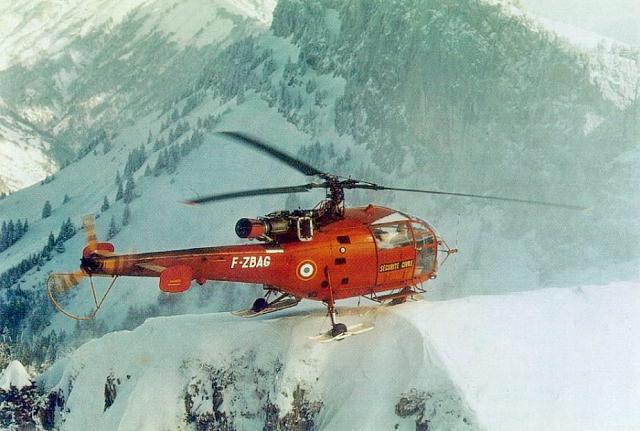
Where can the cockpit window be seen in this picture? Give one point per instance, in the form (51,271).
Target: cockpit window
(424,236)
(392,235)
(425,249)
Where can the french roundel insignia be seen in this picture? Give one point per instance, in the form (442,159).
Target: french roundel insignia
(306,270)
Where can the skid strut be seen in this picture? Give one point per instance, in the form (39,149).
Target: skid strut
(336,328)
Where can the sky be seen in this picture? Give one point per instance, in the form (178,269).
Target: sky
(619,19)
(590,12)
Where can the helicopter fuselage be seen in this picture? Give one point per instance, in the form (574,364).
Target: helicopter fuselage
(371,249)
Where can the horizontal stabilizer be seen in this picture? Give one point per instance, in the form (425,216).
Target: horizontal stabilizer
(176,279)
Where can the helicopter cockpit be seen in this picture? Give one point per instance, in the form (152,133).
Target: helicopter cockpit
(403,233)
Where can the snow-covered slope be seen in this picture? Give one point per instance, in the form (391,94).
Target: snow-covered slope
(554,359)
(15,375)
(559,359)
(24,155)
(33,30)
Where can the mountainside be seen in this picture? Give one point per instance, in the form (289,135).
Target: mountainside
(404,93)
(24,154)
(73,68)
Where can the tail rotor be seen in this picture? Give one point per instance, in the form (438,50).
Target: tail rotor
(61,283)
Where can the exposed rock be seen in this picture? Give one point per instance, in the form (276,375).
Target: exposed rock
(225,398)
(434,410)
(27,408)
(110,391)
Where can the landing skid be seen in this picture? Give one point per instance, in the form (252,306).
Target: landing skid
(413,293)
(277,305)
(356,329)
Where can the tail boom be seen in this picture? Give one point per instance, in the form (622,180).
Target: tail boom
(245,263)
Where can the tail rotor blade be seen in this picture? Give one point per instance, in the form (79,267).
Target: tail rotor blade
(61,282)
(89,223)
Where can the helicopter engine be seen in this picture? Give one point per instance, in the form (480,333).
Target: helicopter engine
(261,228)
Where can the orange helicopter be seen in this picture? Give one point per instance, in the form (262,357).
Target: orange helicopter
(324,254)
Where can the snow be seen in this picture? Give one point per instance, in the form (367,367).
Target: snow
(552,359)
(579,37)
(24,158)
(15,375)
(33,30)
(164,354)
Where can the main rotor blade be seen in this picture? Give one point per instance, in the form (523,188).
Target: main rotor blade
(466,195)
(255,192)
(289,160)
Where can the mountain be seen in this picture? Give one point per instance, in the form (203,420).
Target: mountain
(404,93)
(73,68)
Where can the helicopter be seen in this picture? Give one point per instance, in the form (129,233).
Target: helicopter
(327,253)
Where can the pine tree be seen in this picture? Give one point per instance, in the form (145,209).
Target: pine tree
(106,143)
(129,190)
(19,230)
(46,210)
(11,233)
(113,228)
(126,216)
(60,246)
(118,178)
(147,171)
(67,230)
(66,199)
(51,242)
(105,205)
(4,236)
(119,193)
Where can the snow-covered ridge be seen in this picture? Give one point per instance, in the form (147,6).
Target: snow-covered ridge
(616,75)
(552,359)
(357,383)
(578,36)
(31,30)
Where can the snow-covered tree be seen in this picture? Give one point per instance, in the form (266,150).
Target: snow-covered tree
(46,210)
(130,190)
(126,215)
(113,228)
(60,247)
(105,205)
(119,193)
